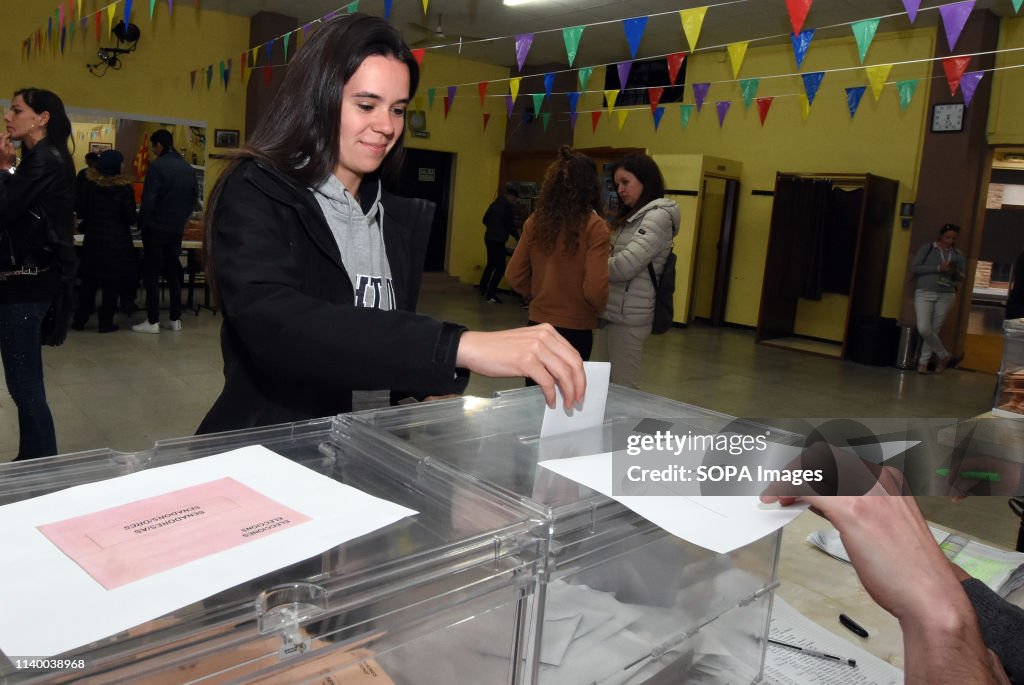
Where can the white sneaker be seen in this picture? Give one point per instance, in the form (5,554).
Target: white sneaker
(172,325)
(146,327)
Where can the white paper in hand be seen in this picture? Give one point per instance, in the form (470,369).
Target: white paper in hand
(591,414)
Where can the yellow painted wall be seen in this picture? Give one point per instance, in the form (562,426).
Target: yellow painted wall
(477,152)
(881,139)
(91,133)
(1005,119)
(153,81)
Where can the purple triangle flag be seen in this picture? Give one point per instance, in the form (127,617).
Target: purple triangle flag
(700,91)
(574,99)
(634,33)
(723,108)
(912,6)
(800,44)
(853,96)
(549,82)
(509,104)
(658,113)
(812,82)
(523,43)
(953,19)
(624,68)
(968,84)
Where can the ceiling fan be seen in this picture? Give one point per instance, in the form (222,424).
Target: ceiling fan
(436,35)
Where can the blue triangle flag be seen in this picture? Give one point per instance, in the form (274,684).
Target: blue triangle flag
(634,32)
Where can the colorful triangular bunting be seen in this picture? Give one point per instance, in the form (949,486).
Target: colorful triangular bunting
(523,43)
(749,89)
(801,42)
(906,90)
(700,91)
(864,32)
(853,98)
(657,113)
(763,105)
(693,20)
(685,113)
(571,36)
(953,19)
(675,61)
(955,68)
(737,51)
(623,69)
(877,77)
(812,82)
(584,75)
(912,6)
(722,107)
(634,29)
(968,84)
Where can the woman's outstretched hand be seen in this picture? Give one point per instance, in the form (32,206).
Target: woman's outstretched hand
(536,352)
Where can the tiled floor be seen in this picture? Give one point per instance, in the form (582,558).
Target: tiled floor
(125,390)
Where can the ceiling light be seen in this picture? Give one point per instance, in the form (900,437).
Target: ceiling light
(513,3)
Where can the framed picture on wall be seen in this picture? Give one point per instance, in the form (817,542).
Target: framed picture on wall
(100,147)
(225,137)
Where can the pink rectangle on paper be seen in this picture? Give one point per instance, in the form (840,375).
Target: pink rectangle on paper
(123,544)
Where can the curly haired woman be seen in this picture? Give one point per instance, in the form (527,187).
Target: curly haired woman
(561,262)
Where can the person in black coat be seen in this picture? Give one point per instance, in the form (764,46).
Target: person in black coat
(36,225)
(500,224)
(105,202)
(317,269)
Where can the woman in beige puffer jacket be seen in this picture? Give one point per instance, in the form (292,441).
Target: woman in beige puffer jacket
(641,234)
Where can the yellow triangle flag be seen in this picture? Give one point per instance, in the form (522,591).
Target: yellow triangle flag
(737,51)
(255,55)
(692,20)
(877,77)
(79,9)
(247,70)
(111,11)
(805,106)
(623,113)
(513,86)
(425,3)
(611,96)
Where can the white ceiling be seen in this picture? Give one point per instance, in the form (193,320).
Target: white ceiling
(727,22)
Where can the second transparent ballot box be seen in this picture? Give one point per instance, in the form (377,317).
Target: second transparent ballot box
(621,600)
(439,597)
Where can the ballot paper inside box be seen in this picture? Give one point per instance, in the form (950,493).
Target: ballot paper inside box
(459,570)
(621,600)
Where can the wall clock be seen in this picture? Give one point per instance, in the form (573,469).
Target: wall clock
(948,117)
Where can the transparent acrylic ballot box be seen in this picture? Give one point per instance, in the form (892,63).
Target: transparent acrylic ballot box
(621,601)
(451,586)
(1009,401)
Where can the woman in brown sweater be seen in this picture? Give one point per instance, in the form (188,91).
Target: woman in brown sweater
(561,262)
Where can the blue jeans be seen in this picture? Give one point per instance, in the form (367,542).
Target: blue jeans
(930,310)
(23,369)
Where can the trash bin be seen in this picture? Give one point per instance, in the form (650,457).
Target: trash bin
(872,340)
(906,354)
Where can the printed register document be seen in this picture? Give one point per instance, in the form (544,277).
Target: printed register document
(93,560)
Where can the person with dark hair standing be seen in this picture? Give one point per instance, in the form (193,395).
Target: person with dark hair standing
(318,269)
(561,263)
(106,204)
(168,198)
(42,186)
(500,223)
(90,163)
(642,235)
(937,268)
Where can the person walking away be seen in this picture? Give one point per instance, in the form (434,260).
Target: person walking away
(561,262)
(42,186)
(105,202)
(642,235)
(500,222)
(937,268)
(168,197)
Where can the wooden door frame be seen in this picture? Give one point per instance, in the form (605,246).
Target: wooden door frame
(723,263)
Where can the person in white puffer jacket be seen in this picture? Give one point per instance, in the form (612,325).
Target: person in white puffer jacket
(642,234)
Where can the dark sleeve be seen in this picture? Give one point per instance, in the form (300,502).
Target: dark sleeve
(83,199)
(150,192)
(262,269)
(920,265)
(1002,625)
(128,206)
(23,188)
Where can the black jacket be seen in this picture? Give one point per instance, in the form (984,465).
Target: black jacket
(169,194)
(294,343)
(106,206)
(43,179)
(500,220)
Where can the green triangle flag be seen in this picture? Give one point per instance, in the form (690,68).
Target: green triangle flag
(864,32)
(748,87)
(685,112)
(545,118)
(571,36)
(1016,5)
(538,100)
(152,4)
(352,7)
(431,92)
(287,39)
(906,91)
(585,73)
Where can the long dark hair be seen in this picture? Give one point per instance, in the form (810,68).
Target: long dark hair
(302,122)
(58,129)
(570,192)
(299,133)
(647,172)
